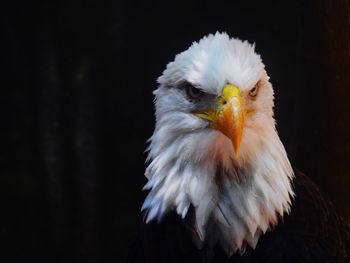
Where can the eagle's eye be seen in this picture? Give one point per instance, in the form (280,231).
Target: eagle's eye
(254,91)
(192,92)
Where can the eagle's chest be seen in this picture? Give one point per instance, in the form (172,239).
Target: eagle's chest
(312,232)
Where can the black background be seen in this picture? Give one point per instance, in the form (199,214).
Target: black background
(77,109)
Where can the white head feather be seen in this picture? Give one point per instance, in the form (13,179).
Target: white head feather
(235,200)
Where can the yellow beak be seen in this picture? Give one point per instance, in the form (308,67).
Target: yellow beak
(228,117)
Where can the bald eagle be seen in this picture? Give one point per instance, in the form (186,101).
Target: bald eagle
(221,187)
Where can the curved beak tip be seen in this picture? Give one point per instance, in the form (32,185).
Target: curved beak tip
(236,142)
(235,154)
(236,136)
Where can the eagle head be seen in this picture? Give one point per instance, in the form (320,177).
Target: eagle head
(215,146)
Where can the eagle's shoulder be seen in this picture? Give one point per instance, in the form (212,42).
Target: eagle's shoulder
(312,232)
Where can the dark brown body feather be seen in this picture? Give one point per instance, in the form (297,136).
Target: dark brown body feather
(313,232)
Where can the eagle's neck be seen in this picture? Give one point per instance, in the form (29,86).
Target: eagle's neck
(233,203)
